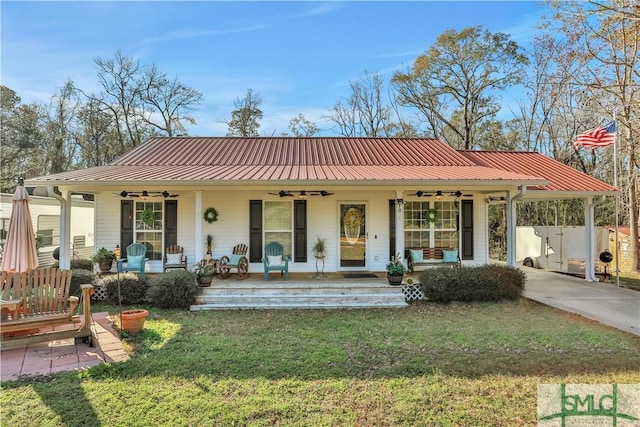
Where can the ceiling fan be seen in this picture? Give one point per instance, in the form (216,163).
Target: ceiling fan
(438,194)
(302,193)
(146,194)
(283,193)
(321,193)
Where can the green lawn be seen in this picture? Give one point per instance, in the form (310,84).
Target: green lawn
(457,364)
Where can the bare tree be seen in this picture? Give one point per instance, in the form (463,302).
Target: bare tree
(142,100)
(366,112)
(245,119)
(302,127)
(169,99)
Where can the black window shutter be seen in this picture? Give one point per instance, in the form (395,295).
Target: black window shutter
(392,228)
(170,222)
(300,230)
(255,230)
(126,225)
(467,229)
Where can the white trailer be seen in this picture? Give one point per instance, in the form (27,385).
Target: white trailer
(45,217)
(557,248)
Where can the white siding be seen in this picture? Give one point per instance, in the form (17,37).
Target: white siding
(232,226)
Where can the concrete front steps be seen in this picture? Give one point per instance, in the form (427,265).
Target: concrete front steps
(286,295)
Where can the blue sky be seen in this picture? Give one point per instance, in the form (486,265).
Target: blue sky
(299,56)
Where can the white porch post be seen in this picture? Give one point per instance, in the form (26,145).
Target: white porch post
(198,226)
(65,230)
(511,229)
(399,225)
(589,239)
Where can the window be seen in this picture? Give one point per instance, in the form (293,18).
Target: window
(419,232)
(278,224)
(49,230)
(149,234)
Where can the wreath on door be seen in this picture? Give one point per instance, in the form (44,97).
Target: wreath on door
(433,215)
(211,215)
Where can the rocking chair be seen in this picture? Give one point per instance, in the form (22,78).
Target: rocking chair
(238,260)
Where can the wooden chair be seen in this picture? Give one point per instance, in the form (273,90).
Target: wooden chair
(135,259)
(238,259)
(39,299)
(174,257)
(274,260)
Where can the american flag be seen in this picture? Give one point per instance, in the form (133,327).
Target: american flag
(601,136)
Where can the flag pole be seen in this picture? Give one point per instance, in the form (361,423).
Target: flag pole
(617,198)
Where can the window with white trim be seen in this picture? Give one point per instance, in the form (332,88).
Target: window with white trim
(278,224)
(150,232)
(438,232)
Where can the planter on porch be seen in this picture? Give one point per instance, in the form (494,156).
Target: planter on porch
(205,280)
(395,279)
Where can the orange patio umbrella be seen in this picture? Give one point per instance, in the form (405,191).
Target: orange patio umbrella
(20,252)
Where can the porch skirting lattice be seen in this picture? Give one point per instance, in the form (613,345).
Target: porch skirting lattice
(412,292)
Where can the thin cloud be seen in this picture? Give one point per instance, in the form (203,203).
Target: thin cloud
(191,34)
(321,9)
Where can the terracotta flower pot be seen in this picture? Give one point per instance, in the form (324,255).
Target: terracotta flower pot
(132,321)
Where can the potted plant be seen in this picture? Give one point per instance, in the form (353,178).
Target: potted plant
(319,248)
(209,243)
(104,257)
(204,272)
(132,321)
(395,270)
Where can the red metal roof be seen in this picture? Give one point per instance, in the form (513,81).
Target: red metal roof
(188,160)
(288,151)
(188,174)
(561,177)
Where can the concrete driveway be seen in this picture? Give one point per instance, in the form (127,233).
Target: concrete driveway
(603,302)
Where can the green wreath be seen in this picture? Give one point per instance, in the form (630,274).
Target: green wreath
(210,215)
(432,215)
(147,217)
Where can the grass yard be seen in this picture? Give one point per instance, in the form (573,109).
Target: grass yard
(451,365)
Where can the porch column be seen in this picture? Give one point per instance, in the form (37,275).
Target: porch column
(511,229)
(197,231)
(399,225)
(590,240)
(65,230)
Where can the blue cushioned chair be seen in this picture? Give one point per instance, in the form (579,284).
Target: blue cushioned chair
(274,260)
(135,260)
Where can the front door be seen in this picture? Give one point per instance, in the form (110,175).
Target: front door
(353,236)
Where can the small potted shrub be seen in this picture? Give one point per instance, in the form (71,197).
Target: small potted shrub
(204,272)
(209,245)
(104,257)
(395,270)
(319,248)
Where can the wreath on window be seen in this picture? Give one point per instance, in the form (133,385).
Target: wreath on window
(432,215)
(211,215)
(147,217)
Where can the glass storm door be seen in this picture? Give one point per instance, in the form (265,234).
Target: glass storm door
(353,235)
